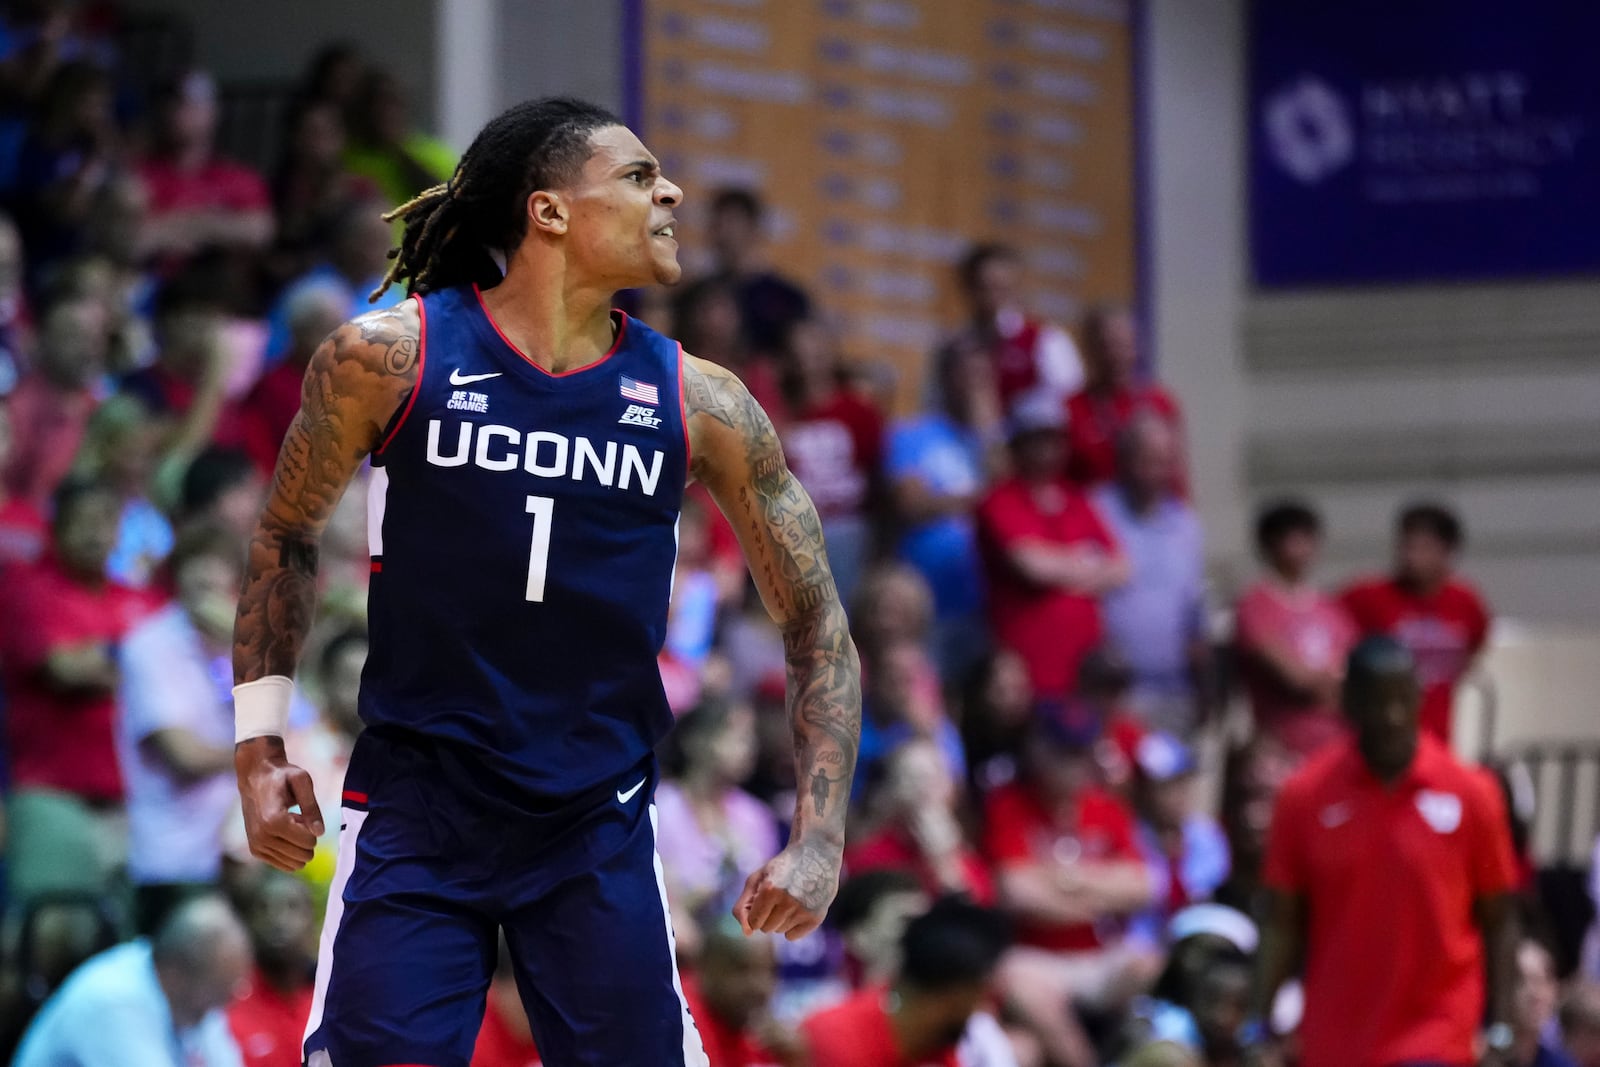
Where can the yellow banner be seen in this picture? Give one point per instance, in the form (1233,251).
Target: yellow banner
(887,135)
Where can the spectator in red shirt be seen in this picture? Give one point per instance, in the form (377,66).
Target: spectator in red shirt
(59,628)
(1439,617)
(1390,873)
(1068,866)
(1112,395)
(920,828)
(50,407)
(834,443)
(264,415)
(268,1018)
(197,198)
(930,1016)
(22,525)
(1292,638)
(1048,555)
(730,997)
(1028,355)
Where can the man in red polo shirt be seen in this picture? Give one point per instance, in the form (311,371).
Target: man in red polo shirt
(1390,872)
(1048,556)
(929,1016)
(60,622)
(1111,396)
(1424,606)
(1068,867)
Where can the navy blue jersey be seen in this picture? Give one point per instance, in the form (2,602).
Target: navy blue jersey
(523,528)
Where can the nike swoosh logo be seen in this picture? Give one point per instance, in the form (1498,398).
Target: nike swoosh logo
(457,378)
(623,798)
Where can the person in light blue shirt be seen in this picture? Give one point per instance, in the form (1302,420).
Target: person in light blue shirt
(150,1003)
(1185,848)
(360,256)
(1156,620)
(939,464)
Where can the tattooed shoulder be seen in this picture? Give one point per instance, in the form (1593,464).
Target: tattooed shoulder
(716,401)
(392,338)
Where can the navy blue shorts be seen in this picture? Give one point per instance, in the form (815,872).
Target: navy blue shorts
(427,873)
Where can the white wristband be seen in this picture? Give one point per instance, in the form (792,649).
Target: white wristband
(261,707)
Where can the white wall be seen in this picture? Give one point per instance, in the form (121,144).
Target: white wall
(1194,100)
(1485,396)
(274,41)
(551,47)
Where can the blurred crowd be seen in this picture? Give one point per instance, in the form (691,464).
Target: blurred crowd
(1072,744)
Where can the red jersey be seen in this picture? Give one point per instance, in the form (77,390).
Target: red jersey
(1020,831)
(1390,873)
(47,424)
(498,1047)
(1028,355)
(64,741)
(1318,633)
(1445,631)
(857,1033)
(1095,418)
(264,415)
(218,185)
(1050,628)
(893,848)
(23,533)
(268,1024)
(834,449)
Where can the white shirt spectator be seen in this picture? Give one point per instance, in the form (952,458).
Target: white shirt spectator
(112,1013)
(170,681)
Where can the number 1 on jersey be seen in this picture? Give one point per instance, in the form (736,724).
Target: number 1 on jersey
(541,508)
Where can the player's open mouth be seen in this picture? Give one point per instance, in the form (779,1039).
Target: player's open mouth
(665,231)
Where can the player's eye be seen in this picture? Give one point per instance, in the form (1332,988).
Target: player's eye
(638,176)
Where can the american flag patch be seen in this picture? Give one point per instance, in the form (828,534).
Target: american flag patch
(642,392)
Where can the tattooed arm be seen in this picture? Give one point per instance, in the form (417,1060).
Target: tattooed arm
(735,453)
(358,378)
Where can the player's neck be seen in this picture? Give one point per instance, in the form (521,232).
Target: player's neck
(555,324)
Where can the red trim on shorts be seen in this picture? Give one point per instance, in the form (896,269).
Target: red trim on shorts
(360,798)
(616,342)
(422,365)
(377,566)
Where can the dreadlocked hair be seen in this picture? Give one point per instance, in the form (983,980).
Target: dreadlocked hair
(452,229)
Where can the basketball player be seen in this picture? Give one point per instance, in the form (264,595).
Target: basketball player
(530,448)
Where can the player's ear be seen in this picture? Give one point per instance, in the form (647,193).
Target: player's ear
(547,212)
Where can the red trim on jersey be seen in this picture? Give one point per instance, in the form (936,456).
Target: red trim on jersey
(622,331)
(359,798)
(422,365)
(683,413)
(377,566)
